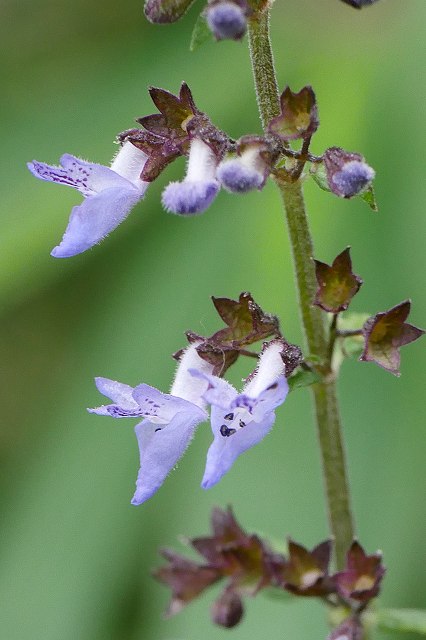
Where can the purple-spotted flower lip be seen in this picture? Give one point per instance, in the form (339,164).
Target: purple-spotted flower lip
(169,420)
(199,188)
(241,420)
(110,193)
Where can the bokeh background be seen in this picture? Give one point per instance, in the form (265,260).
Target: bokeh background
(75,555)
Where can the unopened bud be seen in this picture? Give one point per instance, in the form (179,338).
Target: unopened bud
(227,611)
(354,177)
(348,175)
(245,172)
(227,20)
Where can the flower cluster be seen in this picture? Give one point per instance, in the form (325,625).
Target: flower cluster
(248,563)
(230,553)
(214,160)
(239,420)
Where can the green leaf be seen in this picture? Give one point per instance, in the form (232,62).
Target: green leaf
(303,378)
(320,177)
(370,198)
(402,620)
(200,33)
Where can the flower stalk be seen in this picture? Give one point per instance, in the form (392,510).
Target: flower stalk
(313,319)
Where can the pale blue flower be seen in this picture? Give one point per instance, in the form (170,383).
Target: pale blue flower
(110,194)
(241,420)
(169,420)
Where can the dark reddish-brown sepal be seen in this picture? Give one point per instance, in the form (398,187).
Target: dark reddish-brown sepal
(299,115)
(242,557)
(337,284)
(385,333)
(247,322)
(175,112)
(291,356)
(230,553)
(160,151)
(226,533)
(362,575)
(166,11)
(349,629)
(165,136)
(186,579)
(305,573)
(220,356)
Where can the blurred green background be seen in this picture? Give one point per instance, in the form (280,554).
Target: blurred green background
(75,555)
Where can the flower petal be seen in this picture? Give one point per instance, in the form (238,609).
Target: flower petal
(89,178)
(225,450)
(121,394)
(155,404)
(270,398)
(160,449)
(117,391)
(219,392)
(97,216)
(188,197)
(237,177)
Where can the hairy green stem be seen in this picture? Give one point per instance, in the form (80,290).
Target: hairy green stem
(262,63)
(325,400)
(313,319)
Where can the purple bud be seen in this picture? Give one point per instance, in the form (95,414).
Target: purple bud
(227,611)
(227,20)
(237,177)
(199,188)
(189,198)
(245,172)
(348,174)
(354,177)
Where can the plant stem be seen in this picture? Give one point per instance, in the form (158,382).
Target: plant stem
(262,63)
(313,319)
